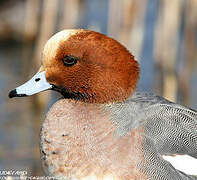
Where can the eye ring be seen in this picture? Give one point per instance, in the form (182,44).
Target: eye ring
(69,60)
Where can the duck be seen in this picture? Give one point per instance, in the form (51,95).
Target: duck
(103,128)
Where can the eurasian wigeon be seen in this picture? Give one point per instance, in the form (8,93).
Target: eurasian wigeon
(103,129)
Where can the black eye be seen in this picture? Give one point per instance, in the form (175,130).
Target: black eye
(69,60)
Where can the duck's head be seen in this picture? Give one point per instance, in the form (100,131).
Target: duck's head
(86,66)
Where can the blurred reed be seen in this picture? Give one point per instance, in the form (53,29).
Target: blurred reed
(188,49)
(166,39)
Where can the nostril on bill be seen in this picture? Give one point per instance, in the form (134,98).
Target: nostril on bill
(37,79)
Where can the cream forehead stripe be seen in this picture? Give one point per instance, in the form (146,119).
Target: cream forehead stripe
(52,44)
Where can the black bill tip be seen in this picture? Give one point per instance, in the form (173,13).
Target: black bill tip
(13,93)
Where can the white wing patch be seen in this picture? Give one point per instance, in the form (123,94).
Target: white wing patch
(184,163)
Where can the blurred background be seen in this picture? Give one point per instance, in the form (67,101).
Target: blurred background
(162,35)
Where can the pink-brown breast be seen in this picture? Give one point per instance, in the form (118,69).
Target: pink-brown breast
(78,141)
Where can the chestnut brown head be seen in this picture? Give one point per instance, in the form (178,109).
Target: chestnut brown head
(89,66)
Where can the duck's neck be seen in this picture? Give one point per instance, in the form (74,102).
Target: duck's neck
(67,116)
